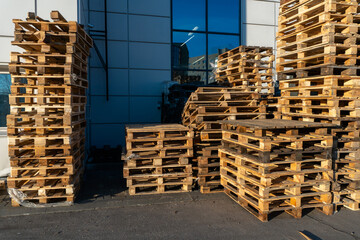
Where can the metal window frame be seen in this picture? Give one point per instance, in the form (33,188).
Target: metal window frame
(206,32)
(103,34)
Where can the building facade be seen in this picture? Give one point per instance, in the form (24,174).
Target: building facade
(141,59)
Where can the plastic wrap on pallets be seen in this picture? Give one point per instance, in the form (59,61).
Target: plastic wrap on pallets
(19,197)
(133,155)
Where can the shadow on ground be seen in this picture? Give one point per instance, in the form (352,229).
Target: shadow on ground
(103,175)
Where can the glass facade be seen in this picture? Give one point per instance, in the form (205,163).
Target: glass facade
(201,30)
(5,85)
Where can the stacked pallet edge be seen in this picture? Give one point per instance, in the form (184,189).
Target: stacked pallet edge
(318,72)
(281,165)
(202,112)
(46,124)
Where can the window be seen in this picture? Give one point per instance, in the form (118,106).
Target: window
(189,49)
(189,15)
(201,30)
(223,16)
(5,83)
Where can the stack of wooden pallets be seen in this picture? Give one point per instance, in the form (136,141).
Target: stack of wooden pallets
(277,165)
(46,124)
(318,69)
(246,67)
(203,111)
(157,159)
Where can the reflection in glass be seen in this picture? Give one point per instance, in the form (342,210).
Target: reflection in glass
(223,16)
(189,14)
(189,76)
(189,50)
(219,44)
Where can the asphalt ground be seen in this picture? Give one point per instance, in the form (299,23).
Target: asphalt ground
(104,210)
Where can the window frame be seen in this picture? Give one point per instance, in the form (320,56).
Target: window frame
(206,32)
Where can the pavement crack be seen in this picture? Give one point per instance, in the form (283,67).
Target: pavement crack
(334,228)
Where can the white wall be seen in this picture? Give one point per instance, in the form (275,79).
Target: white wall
(259,22)
(4,156)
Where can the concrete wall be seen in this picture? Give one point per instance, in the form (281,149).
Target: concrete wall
(139,60)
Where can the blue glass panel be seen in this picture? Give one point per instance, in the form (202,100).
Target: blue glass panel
(189,15)
(5,83)
(223,16)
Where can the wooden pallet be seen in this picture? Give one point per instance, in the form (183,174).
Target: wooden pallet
(264,209)
(349,26)
(46,124)
(247,68)
(332,33)
(300,11)
(35,24)
(348,198)
(154,162)
(182,152)
(44,167)
(51,126)
(213,187)
(157,171)
(26,182)
(260,135)
(56,149)
(318,64)
(49,160)
(307,171)
(146,189)
(254,51)
(321,81)
(318,70)
(48,79)
(50,191)
(157,131)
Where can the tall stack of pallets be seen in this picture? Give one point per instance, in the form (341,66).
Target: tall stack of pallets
(46,124)
(277,165)
(247,67)
(202,112)
(157,159)
(318,71)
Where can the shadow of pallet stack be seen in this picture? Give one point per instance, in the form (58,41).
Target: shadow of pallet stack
(277,165)
(318,69)
(46,125)
(157,159)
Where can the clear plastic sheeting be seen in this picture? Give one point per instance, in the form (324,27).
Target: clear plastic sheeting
(20,197)
(133,155)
